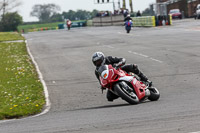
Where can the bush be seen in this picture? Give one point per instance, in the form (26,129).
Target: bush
(10,22)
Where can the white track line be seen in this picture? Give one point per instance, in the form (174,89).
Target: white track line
(128,34)
(156,60)
(48,103)
(195,132)
(146,56)
(108,46)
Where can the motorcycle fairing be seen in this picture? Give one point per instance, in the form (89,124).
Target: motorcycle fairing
(126,78)
(139,87)
(107,72)
(110,75)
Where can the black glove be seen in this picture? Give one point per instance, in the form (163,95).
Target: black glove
(118,65)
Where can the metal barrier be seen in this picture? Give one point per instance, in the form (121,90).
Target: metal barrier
(108,20)
(146,21)
(118,20)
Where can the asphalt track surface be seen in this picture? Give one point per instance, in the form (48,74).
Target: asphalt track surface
(169,56)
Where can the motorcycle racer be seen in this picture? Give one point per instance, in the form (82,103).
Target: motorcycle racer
(68,23)
(99,59)
(128,23)
(128,18)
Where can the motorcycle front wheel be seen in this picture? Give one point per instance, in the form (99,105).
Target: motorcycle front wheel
(154,94)
(126,95)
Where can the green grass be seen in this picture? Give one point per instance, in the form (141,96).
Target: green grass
(21,92)
(37,26)
(10,36)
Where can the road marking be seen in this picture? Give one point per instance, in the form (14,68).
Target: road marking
(128,34)
(48,103)
(98,43)
(193,29)
(156,60)
(108,46)
(122,33)
(195,132)
(13,41)
(146,56)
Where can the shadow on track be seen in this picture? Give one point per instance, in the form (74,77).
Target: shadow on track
(103,107)
(109,106)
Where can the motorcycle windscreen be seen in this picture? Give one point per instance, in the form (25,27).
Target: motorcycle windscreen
(102,68)
(103,72)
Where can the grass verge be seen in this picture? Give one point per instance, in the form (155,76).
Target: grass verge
(21,92)
(10,36)
(37,26)
(48,26)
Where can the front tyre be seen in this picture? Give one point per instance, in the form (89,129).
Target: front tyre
(128,31)
(154,94)
(126,95)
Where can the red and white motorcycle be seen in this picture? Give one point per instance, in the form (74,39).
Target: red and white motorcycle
(126,85)
(68,23)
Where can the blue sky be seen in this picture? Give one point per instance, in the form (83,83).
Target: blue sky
(26,7)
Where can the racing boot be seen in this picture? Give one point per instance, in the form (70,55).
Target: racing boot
(141,75)
(111,96)
(145,79)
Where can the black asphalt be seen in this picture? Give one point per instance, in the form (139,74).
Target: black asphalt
(169,56)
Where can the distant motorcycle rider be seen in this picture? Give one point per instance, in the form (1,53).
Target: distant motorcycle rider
(68,23)
(99,59)
(128,18)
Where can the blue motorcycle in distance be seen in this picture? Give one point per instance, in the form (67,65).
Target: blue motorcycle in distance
(128,25)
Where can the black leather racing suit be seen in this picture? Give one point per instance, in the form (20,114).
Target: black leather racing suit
(127,19)
(109,60)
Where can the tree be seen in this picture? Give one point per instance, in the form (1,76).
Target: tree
(69,15)
(82,15)
(10,22)
(44,12)
(149,11)
(56,17)
(146,12)
(79,14)
(94,13)
(8,5)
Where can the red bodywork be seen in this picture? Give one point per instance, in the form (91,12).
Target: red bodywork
(117,75)
(69,23)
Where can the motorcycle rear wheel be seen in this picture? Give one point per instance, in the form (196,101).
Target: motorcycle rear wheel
(131,98)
